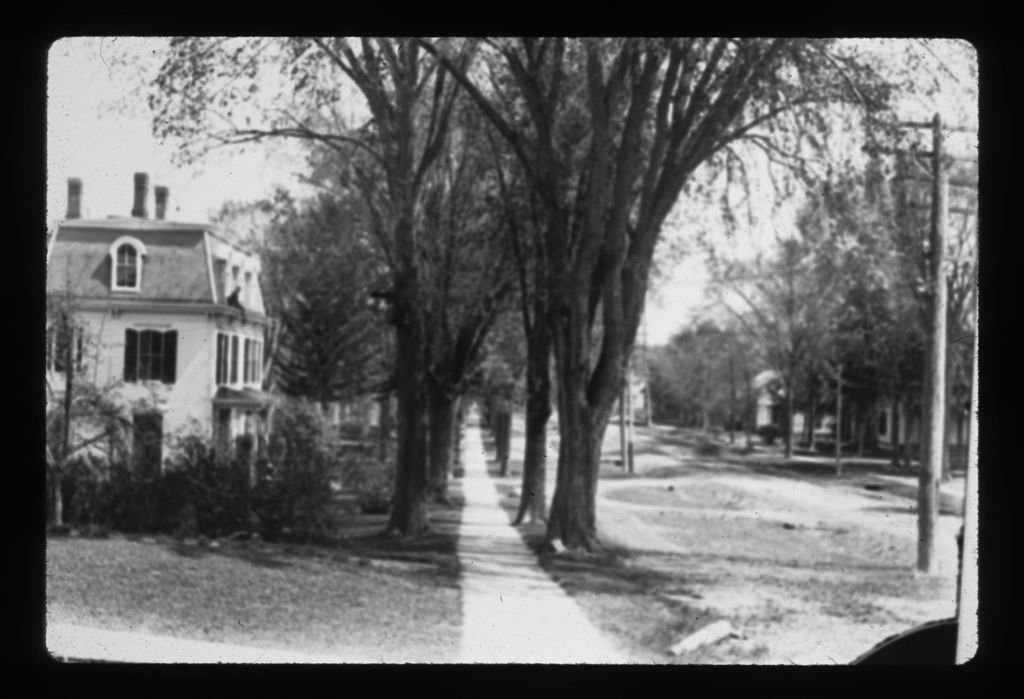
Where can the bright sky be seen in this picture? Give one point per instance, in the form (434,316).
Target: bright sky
(103,147)
(86,139)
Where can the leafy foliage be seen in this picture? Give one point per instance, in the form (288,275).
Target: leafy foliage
(320,270)
(700,378)
(202,492)
(371,480)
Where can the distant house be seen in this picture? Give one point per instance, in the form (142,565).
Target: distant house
(771,403)
(171,315)
(771,410)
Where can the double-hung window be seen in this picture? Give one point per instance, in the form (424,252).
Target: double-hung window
(126,255)
(234,359)
(150,355)
(222,358)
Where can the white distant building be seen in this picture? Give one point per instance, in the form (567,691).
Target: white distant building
(771,408)
(171,318)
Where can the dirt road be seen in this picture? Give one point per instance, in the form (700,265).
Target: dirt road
(810,568)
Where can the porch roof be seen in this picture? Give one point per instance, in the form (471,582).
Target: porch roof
(244,397)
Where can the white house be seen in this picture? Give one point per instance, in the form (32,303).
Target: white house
(771,408)
(771,411)
(171,318)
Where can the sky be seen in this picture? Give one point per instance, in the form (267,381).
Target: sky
(86,139)
(104,147)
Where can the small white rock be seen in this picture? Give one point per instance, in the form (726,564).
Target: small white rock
(712,633)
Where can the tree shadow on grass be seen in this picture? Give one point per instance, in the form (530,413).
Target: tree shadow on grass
(603,572)
(949,504)
(357,538)
(945,510)
(266,556)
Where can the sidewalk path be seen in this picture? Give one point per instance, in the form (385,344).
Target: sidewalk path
(512,611)
(66,641)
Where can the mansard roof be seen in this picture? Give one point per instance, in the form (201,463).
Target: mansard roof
(175,266)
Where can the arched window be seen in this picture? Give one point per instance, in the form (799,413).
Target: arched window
(126,264)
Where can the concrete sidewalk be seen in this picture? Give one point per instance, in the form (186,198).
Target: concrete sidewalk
(69,642)
(511,609)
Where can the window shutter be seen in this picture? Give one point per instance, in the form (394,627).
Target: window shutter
(131,353)
(79,348)
(219,366)
(234,359)
(170,355)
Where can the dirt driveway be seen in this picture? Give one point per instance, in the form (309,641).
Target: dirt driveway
(810,568)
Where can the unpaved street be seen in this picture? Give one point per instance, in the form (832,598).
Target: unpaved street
(810,568)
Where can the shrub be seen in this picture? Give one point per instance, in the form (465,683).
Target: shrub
(371,481)
(294,488)
(84,491)
(707,447)
(768,433)
(203,493)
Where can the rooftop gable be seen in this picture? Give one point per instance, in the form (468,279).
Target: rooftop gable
(174,269)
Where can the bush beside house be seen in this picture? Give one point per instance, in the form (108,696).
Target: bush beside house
(282,493)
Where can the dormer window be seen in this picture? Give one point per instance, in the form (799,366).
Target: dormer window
(126,256)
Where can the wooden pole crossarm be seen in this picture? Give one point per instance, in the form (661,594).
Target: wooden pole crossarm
(951,181)
(927,154)
(914,124)
(952,209)
(931,125)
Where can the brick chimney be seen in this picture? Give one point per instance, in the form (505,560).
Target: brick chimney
(74,198)
(161,201)
(141,191)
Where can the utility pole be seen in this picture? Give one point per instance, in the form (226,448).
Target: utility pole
(967,592)
(935,398)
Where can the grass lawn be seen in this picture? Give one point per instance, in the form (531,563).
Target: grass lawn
(367,599)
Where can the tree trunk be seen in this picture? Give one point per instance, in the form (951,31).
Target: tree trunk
(894,439)
(630,413)
(573,517)
(732,402)
(839,424)
(622,425)
(750,409)
(501,429)
(441,425)
(457,433)
(859,411)
(409,505)
(533,496)
(581,426)
(788,422)
(384,427)
(704,401)
(811,415)
(56,498)
(57,504)
(908,456)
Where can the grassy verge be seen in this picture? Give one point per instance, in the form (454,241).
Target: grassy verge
(366,598)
